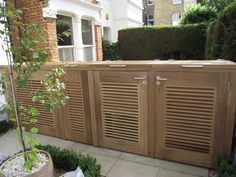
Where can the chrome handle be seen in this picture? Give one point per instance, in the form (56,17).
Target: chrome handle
(140,78)
(117,66)
(192,66)
(159,78)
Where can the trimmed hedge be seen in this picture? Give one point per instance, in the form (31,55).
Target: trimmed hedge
(178,42)
(221,41)
(110,50)
(68,160)
(4,126)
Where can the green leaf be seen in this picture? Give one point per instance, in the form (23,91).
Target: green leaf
(28,164)
(34,130)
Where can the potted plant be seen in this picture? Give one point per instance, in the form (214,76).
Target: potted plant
(26,57)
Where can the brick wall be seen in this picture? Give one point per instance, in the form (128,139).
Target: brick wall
(164,10)
(98,40)
(33,13)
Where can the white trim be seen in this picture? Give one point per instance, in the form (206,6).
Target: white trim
(178,3)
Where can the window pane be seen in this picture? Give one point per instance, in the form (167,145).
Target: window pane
(87,35)
(176,1)
(150,2)
(64,30)
(66,54)
(88,54)
(176,18)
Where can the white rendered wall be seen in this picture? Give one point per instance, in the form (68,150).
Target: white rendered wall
(122,14)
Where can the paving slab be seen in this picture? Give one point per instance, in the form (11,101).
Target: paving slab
(170,173)
(124,168)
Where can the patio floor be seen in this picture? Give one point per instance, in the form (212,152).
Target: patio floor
(114,163)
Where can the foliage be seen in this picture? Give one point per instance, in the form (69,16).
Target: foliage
(219,5)
(29,55)
(225,167)
(178,42)
(222,36)
(110,50)
(198,14)
(69,160)
(4,126)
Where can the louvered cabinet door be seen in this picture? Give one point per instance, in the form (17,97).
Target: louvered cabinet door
(47,122)
(190,108)
(123,109)
(76,114)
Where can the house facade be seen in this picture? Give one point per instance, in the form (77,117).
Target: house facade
(148,12)
(170,11)
(75,28)
(120,14)
(164,12)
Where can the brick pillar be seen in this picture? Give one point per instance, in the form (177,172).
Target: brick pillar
(98,40)
(33,13)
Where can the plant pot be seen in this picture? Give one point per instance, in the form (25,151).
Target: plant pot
(45,171)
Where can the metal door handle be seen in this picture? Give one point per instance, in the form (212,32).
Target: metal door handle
(140,78)
(192,66)
(117,66)
(159,78)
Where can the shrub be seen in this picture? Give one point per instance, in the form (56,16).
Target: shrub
(4,126)
(178,42)
(219,5)
(221,40)
(69,160)
(110,50)
(198,14)
(225,167)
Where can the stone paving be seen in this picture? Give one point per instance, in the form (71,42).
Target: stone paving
(114,163)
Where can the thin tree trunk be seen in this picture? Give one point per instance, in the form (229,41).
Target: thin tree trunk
(14,97)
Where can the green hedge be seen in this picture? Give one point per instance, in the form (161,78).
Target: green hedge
(225,168)
(68,160)
(221,41)
(110,50)
(178,42)
(4,126)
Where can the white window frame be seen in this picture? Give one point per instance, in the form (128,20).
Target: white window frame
(179,14)
(176,2)
(150,20)
(150,4)
(93,38)
(73,37)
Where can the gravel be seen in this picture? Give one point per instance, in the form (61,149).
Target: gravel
(15,166)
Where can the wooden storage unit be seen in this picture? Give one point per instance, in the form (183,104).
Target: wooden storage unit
(175,110)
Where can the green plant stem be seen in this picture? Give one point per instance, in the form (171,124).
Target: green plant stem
(10,70)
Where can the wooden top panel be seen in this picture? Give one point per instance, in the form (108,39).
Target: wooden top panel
(155,64)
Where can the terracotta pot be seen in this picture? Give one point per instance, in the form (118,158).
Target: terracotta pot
(45,171)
